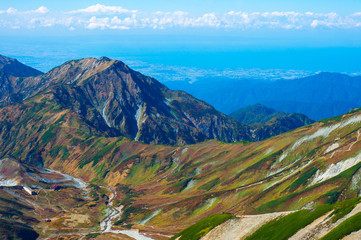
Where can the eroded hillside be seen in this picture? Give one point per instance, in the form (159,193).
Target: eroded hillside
(163,189)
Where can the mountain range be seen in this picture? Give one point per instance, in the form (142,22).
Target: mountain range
(113,98)
(319,96)
(266,122)
(96,176)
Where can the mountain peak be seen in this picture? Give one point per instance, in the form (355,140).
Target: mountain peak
(256,113)
(78,71)
(137,106)
(106,59)
(5,60)
(13,68)
(267,122)
(12,76)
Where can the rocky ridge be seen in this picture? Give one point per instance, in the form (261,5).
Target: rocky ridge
(115,97)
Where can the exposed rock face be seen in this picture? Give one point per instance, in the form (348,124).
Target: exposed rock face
(110,95)
(141,107)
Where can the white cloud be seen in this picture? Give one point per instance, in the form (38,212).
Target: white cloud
(103,17)
(104,23)
(12,11)
(95,22)
(41,10)
(99,8)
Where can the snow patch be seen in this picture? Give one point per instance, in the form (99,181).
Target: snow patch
(184,150)
(104,115)
(210,203)
(138,118)
(335,169)
(287,175)
(325,131)
(332,147)
(7,182)
(355,182)
(283,156)
(268,151)
(190,185)
(167,101)
(282,168)
(150,217)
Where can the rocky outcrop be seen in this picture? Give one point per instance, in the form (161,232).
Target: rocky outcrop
(142,108)
(110,95)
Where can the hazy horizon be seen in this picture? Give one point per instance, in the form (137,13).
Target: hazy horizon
(302,36)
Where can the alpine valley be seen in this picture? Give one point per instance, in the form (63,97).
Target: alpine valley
(95,150)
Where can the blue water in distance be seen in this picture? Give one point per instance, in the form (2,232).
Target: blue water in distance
(45,54)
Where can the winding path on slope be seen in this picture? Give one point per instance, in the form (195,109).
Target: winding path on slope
(112,213)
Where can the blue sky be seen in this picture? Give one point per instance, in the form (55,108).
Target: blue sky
(310,35)
(228,15)
(197,6)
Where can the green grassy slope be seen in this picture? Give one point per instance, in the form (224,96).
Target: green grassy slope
(189,183)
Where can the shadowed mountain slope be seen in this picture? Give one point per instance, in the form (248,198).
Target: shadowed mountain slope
(12,74)
(134,105)
(72,124)
(266,122)
(163,185)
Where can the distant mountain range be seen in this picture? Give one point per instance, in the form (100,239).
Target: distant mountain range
(117,101)
(72,164)
(319,96)
(266,122)
(113,98)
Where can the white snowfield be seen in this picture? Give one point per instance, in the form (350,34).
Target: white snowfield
(155,213)
(8,182)
(104,115)
(332,147)
(325,131)
(138,117)
(335,169)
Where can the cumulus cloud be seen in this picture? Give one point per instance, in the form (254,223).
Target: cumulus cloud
(41,10)
(116,17)
(99,8)
(12,11)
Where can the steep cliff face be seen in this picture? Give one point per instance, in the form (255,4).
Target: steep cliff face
(111,95)
(142,108)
